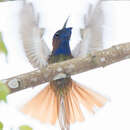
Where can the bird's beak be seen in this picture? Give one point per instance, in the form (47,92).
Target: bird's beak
(65,23)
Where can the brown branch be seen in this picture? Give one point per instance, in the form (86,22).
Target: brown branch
(70,67)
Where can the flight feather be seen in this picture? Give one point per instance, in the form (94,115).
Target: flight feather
(34,45)
(92,33)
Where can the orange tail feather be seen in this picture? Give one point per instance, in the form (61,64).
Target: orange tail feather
(43,106)
(88,97)
(46,105)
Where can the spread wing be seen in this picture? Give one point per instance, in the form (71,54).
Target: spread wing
(92,33)
(35,47)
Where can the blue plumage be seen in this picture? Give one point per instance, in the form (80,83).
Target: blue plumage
(61,42)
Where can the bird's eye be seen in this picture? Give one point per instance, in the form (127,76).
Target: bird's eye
(57,34)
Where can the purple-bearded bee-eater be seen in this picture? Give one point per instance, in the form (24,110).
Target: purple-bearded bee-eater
(61,98)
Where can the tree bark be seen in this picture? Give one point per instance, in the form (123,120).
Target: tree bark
(70,67)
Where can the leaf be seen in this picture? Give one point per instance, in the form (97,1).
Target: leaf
(25,127)
(2,46)
(4,91)
(1,126)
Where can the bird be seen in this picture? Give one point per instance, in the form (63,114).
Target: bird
(60,100)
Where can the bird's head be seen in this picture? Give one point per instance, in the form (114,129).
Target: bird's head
(63,34)
(61,38)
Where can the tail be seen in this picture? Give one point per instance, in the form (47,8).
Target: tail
(48,105)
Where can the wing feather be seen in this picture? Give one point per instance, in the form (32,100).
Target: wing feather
(92,33)
(35,47)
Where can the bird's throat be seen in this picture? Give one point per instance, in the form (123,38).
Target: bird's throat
(62,48)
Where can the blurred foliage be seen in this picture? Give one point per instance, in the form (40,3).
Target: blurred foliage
(1,126)
(25,127)
(4,91)
(2,46)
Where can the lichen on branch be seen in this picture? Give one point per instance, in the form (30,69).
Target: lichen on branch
(70,67)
